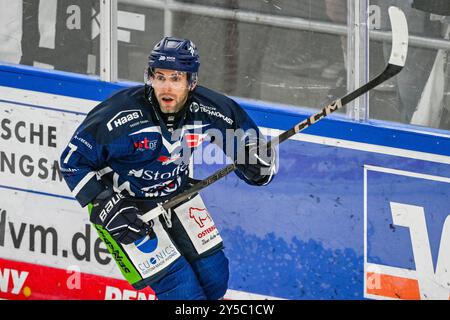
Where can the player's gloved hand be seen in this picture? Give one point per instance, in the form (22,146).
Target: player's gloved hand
(259,164)
(118,216)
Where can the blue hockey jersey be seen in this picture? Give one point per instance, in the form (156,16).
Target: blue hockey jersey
(124,143)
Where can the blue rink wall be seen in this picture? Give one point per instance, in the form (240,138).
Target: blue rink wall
(351,200)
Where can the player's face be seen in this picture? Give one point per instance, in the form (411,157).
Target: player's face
(171,89)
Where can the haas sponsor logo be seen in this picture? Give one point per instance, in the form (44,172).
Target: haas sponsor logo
(123,117)
(199,216)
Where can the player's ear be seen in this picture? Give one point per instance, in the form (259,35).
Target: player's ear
(193,80)
(148,74)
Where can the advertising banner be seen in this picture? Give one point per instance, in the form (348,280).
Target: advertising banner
(355,211)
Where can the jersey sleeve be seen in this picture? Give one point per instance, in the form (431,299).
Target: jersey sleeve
(245,131)
(80,161)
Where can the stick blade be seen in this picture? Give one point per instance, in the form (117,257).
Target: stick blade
(399,36)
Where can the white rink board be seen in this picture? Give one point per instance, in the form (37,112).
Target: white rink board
(32,139)
(32,193)
(24,214)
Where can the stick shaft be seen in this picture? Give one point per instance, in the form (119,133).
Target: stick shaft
(395,65)
(390,71)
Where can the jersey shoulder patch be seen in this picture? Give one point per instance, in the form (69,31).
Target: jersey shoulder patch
(213,104)
(118,113)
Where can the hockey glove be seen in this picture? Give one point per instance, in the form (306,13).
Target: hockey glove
(118,216)
(259,165)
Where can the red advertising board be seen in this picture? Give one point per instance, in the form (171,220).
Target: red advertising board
(22,281)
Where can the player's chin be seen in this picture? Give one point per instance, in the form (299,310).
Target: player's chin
(168,107)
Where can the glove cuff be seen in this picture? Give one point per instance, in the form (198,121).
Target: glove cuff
(102,196)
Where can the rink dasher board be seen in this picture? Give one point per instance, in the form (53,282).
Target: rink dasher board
(38,202)
(346,168)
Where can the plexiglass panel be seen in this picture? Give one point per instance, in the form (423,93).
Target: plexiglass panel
(54,34)
(298,63)
(419,95)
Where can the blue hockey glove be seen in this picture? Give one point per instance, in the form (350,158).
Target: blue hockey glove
(259,165)
(118,216)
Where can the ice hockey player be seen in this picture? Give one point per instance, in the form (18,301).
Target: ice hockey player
(129,154)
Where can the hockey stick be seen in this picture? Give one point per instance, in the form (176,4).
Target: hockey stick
(396,62)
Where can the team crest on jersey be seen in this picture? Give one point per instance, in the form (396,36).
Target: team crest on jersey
(162,189)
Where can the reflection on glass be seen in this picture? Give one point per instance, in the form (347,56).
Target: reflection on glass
(60,35)
(302,64)
(301,67)
(419,95)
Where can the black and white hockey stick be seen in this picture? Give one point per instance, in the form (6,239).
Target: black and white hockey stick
(396,62)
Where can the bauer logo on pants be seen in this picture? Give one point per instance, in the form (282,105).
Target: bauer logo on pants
(198,224)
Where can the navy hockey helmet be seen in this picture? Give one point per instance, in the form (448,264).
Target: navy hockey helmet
(175,54)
